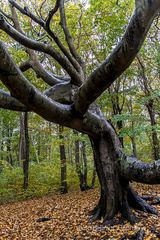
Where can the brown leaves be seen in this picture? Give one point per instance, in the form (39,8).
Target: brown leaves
(69,219)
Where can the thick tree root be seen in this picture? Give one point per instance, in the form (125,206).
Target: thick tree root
(137,202)
(127,213)
(129,199)
(125,207)
(96,214)
(155,200)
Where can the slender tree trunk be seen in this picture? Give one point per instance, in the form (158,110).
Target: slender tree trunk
(24,147)
(9,149)
(150,107)
(39,145)
(69,150)
(93,177)
(120,127)
(64,188)
(155,141)
(85,166)
(78,164)
(1,141)
(117,107)
(81,169)
(134,147)
(35,152)
(49,148)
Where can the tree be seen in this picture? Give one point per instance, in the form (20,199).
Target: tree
(81,163)
(24,147)
(70,101)
(63,161)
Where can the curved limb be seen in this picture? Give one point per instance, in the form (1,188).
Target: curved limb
(11,103)
(46,26)
(41,47)
(134,170)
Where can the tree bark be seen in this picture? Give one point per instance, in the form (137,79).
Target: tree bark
(150,107)
(155,141)
(1,140)
(9,148)
(85,167)
(64,188)
(78,163)
(116,193)
(24,147)
(81,164)
(93,177)
(134,146)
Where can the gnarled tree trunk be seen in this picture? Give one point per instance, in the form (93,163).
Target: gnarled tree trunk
(116,193)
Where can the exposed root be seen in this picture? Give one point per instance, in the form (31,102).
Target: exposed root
(127,214)
(92,212)
(125,208)
(155,200)
(96,215)
(137,202)
(128,199)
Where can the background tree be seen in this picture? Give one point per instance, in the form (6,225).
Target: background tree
(24,147)
(63,162)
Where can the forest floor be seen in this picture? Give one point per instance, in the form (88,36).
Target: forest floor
(68,218)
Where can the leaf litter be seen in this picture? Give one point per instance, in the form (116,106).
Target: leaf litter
(66,217)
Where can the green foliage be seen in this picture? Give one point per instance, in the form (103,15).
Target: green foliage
(4,166)
(44,179)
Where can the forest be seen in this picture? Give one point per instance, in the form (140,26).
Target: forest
(79,119)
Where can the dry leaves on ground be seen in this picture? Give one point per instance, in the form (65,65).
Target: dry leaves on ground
(69,218)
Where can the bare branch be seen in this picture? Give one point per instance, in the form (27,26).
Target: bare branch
(41,47)
(34,63)
(120,58)
(5,15)
(27,94)
(25,66)
(68,34)
(42,23)
(40,9)
(62,78)
(26,12)
(51,13)
(48,77)
(145,86)
(135,170)
(15,20)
